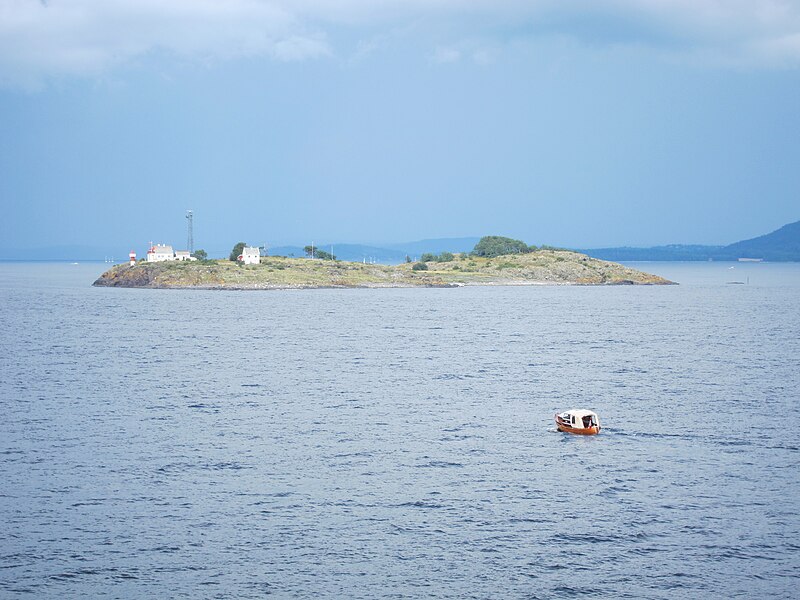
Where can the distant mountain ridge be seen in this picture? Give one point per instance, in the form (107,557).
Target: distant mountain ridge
(781,245)
(386,253)
(350,252)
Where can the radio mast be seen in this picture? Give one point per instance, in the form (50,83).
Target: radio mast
(190,241)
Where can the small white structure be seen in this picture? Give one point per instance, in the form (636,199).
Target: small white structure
(183,255)
(132,257)
(160,253)
(581,421)
(250,255)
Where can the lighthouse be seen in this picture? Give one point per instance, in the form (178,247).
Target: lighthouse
(132,256)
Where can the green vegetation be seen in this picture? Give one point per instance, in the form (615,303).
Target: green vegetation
(495,245)
(237,251)
(317,253)
(201,254)
(443,257)
(533,268)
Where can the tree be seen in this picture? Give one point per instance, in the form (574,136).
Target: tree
(201,254)
(427,257)
(496,245)
(237,251)
(408,258)
(446,257)
(317,253)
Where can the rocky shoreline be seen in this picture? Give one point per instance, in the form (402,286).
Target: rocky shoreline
(543,267)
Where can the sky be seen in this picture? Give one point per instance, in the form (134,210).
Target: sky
(578,123)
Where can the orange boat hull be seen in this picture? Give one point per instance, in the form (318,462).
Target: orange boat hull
(567,428)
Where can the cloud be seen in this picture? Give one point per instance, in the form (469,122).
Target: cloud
(784,50)
(446,55)
(89,37)
(482,57)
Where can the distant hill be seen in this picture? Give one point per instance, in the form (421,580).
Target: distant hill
(386,253)
(779,246)
(349,252)
(671,252)
(436,246)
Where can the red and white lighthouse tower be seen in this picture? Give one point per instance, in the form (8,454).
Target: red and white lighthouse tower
(132,256)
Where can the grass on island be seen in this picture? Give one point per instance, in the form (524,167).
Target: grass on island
(541,266)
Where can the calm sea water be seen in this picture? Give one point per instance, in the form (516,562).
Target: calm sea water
(399,443)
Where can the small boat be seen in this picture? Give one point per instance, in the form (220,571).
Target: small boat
(583,422)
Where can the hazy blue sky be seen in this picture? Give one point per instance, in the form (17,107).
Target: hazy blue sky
(576,123)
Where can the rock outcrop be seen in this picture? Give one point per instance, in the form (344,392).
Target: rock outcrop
(543,267)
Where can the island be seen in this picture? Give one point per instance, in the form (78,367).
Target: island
(537,267)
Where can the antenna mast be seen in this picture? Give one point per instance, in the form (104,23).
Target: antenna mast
(190,241)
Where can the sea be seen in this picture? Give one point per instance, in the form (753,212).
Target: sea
(399,443)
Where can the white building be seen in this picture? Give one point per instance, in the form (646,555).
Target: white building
(160,253)
(183,255)
(250,255)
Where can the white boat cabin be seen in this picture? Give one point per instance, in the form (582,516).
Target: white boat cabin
(579,419)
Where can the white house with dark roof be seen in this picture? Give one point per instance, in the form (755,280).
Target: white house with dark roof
(183,255)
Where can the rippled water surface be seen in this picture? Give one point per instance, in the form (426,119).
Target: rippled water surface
(399,443)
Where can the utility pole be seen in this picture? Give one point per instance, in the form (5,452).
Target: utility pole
(190,241)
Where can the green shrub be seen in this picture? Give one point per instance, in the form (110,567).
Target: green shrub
(427,257)
(237,250)
(496,245)
(420,266)
(315,252)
